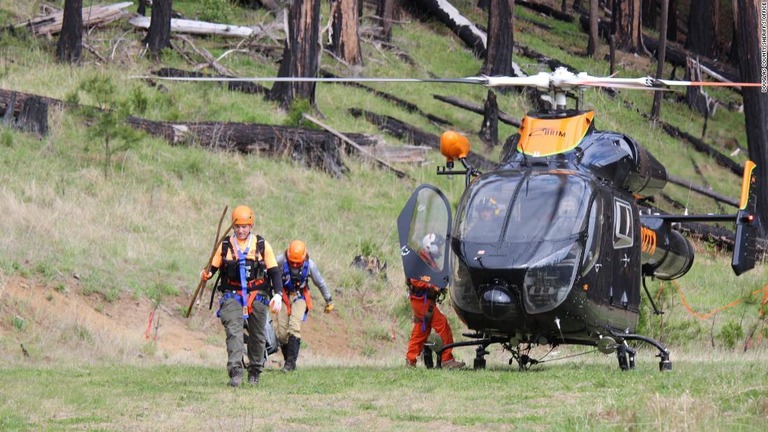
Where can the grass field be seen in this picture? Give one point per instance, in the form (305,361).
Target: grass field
(717,393)
(93,239)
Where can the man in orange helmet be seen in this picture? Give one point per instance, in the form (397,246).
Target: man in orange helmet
(426,314)
(249,276)
(297,269)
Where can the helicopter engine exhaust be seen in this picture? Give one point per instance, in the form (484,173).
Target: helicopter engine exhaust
(666,254)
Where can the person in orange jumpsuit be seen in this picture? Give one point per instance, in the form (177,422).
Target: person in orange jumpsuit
(426,313)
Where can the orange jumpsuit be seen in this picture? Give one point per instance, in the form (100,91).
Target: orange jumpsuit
(426,316)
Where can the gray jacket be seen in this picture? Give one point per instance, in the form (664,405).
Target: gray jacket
(313,273)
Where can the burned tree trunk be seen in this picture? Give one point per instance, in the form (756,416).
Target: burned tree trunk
(142,10)
(300,55)
(34,116)
(387,11)
(660,56)
(696,97)
(70,45)
(594,10)
(310,147)
(489,132)
(472,36)
(159,35)
(702,28)
(625,25)
(501,23)
(750,50)
(345,40)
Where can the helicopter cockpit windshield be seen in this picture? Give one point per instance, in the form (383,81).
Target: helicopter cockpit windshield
(511,207)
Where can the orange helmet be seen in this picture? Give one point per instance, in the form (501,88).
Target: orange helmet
(243,215)
(297,252)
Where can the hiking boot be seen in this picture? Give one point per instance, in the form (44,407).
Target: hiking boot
(253,378)
(235,377)
(453,364)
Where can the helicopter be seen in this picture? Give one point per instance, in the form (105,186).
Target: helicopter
(563,258)
(544,272)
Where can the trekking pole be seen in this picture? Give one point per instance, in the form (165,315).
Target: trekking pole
(217,241)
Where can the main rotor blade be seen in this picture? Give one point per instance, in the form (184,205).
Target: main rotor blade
(559,80)
(467,80)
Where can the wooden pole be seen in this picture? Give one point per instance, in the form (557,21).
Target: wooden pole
(217,241)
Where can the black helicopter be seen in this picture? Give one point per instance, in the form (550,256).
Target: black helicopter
(567,249)
(563,254)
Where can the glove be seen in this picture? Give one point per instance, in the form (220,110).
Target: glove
(205,275)
(276,303)
(328,307)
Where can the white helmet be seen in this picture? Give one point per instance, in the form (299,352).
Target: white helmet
(431,245)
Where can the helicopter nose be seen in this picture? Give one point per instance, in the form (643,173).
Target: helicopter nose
(496,302)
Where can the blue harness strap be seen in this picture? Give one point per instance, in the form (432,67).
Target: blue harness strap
(288,284)
(243,281)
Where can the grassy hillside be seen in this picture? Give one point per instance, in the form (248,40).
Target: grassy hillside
(145,228)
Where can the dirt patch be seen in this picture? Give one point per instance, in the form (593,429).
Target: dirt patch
(137,328)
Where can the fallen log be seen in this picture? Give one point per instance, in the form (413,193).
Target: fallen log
(705,148)
(92,16)
(475,38)
(360,150)
(416,136)
(476,108)
(313,148)
(201,27)
(239,86)
(408,106)
(310,147)
(702,190)
(545,10)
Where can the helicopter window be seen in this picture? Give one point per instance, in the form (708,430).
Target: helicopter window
(623,236)
(548,207)
(481,216)
(594,227)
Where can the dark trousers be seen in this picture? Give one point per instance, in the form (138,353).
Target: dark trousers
(232,319)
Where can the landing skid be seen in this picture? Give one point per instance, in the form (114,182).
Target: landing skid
(480,352)
(626,354)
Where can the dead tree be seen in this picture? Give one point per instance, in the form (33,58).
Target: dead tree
(501,24)
(489,132)
(387,11)
(159,35)
(34,116)
(472,36)
(594,10)
(70,45)
(660,58)
(755,98)
(625,25)
(702,28)
(696,97)
(300,54)
(345,39)
(142,10)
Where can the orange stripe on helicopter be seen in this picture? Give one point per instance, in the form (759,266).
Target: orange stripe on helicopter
(648,237)
(546,137)
(746,181)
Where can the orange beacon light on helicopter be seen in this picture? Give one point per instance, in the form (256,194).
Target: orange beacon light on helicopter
(453,145)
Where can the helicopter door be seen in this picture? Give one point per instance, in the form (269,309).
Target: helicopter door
(624,290)
(423,227)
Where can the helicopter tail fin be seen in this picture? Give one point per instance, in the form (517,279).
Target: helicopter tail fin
(747,222)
